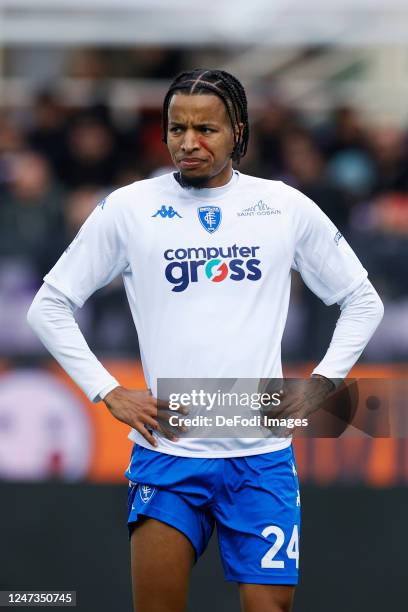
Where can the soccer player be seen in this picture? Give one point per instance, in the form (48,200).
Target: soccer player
(206,255)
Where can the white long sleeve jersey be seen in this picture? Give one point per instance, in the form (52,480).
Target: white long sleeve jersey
(207,276)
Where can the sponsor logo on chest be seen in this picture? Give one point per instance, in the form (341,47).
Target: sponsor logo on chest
(259,209)
(211,264)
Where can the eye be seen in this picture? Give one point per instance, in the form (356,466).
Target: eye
(175,130)
(207,130)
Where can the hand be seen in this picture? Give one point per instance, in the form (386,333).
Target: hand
(300,398)
(140,410)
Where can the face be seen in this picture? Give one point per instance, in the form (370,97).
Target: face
(200,139)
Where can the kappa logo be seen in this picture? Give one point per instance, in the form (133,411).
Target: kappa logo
(260,208)
(167,211)
(337,238)
(146,492)
(210,217)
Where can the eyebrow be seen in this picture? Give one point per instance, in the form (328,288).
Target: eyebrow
(202,124)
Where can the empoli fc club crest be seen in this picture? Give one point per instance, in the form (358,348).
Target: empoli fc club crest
(210,217)
(146,492)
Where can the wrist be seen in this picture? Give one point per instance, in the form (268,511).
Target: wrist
(107,399)
(327,381)
(111,383)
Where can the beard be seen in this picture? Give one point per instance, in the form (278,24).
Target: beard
(192,181)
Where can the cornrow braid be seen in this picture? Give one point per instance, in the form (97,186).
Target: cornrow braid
(225,86)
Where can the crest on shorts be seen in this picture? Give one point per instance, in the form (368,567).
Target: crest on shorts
(146,492)
(210,217)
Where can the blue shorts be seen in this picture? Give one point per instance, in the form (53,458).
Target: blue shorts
(253,500)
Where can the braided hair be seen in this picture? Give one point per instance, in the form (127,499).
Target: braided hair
(223,85)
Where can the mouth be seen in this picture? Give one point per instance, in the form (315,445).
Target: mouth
(190,163)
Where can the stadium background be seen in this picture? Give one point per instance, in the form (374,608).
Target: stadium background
(81,85)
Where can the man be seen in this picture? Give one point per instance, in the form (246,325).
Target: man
(206,255)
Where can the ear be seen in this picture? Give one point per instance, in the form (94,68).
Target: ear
(238,130)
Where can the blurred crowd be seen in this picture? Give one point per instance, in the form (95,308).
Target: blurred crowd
(57,161)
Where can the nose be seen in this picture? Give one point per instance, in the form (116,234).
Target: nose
(190,141)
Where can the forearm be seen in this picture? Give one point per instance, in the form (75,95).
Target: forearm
(361,312)
(51,316)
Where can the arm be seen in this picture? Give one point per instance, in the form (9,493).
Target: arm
(51,317)
(361,313)
(95,257)
(332,271)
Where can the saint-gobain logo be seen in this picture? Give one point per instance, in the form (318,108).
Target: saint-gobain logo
(146,492)
(215,264)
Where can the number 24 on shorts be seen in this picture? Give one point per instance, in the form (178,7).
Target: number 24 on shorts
(292,550)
